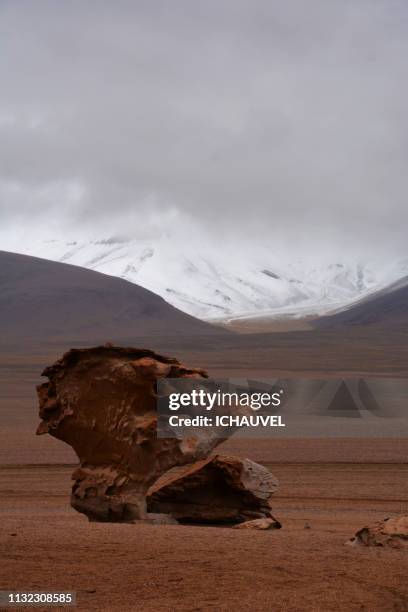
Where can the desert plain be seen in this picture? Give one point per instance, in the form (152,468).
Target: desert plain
(329,488)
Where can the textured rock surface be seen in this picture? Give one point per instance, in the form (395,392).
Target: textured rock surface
(391,532)
(260,524)
(102,402)
(216,490)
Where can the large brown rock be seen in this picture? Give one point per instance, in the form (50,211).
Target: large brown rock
(219,489)
(102,402)
(392,532)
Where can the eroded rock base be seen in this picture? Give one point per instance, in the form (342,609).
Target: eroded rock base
(220,489)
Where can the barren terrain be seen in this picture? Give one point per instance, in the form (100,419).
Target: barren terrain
(329,489)
(304,566)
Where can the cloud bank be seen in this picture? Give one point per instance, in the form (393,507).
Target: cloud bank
(269,120)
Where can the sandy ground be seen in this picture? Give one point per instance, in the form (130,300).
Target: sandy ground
(262,324)
(303,567)
(332,486)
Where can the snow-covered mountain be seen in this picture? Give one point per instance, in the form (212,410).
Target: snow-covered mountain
(212,281)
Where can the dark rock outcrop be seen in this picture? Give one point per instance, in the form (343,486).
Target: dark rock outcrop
(219,489)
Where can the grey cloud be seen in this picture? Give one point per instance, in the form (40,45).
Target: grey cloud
(250,116)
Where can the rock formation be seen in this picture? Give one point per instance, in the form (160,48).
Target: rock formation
(102,402)
(392,532)
(219,489)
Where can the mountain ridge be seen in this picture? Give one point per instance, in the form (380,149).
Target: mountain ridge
(212,282)
(52,300)
(387,306)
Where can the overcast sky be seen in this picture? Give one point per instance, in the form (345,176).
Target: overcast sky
(283,119)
